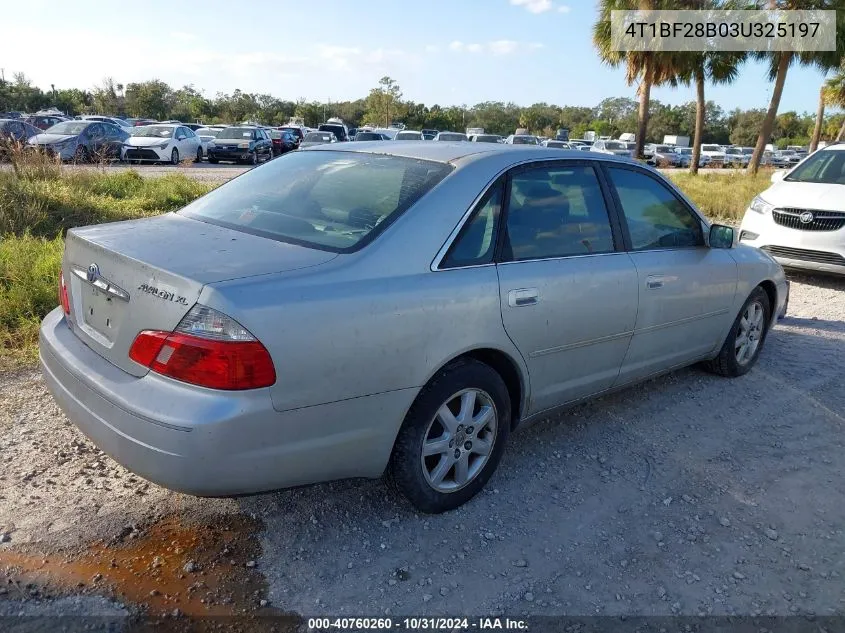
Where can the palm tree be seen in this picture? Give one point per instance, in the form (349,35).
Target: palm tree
(650,67)
(833,93)
(817,128)
(780,61)
(719,68)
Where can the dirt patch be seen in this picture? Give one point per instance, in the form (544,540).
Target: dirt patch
(172,568)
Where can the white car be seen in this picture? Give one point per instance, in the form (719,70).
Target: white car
(737,157)
(408,135)
(800,219)
(617,148)
(208,134)
(715,153)
(163,142)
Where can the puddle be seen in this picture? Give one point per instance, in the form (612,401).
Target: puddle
(201,570)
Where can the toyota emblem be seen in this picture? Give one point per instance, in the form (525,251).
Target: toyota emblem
(93,273)
(806,217)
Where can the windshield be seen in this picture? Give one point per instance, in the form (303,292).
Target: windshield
(733,150)
(524,140)
(711,148)
(684,150)
(748,150)
(68,127)
(208,131)
(317,137)
(826,167)
(615,145)
(486,138)
(236,132)
(452,136)
(161,131)
(408,136)
(330,200)
(663,149)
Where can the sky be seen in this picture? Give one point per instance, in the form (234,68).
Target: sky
(448,52)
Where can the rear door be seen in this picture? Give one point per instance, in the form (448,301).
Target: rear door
(568,291)
(686,289)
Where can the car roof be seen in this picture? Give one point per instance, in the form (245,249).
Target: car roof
(457,152)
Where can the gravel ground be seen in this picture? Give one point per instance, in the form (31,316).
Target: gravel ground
(689,494)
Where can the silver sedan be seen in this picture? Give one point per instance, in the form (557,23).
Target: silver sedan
(350,311)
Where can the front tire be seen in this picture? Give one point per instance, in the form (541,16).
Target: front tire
(174,157)
(453,437)
(745,339)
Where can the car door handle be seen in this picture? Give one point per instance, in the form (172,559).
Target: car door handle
(654,281)
(523,297)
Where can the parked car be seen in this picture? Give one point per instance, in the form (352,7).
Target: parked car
(736,157)
(283,141)
(785,158)
(618,148)
(141,122)
(81,140)
(338,129)
(685,157)
(298,132)
(275,333)
(241,144)
(408,135)
(485,138)
(113,120)
(428,135)
(451,136)
(714,153)
(800,219)
(370,136)
(206,135)
(162,143)
(15,132)
(44,121)
(521,139)
(556,144)
(318,138)
(661,156)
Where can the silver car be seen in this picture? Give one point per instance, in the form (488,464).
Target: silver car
(396,307)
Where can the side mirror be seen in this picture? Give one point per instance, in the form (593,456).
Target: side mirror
(721,236)
(778,175)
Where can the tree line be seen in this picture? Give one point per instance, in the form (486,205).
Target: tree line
(611,117)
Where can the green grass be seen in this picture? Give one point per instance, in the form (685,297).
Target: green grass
(722,197)
(40,201)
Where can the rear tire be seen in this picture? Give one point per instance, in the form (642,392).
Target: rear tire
(745,339)
(198,159)
(212,160)
(452,438)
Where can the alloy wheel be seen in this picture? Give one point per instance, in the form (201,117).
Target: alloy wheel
(750,332)
(459,440)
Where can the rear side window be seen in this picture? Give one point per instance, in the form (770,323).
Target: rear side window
(656,218)
(476,243)
(335,201)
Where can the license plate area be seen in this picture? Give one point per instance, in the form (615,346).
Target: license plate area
(100,312)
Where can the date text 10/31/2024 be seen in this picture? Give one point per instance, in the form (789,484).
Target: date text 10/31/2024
(417,624)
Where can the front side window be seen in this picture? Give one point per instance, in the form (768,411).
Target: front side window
(656,217)
(476,243)
(556,212)
(329,200)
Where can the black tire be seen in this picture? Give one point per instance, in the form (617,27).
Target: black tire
(405,469)
(174,157)
(80,155)
(726,363)
(212,160)
(198,159)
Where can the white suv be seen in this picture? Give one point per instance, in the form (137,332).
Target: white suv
(800,219)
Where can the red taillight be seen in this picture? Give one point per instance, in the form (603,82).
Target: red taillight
(63,298)
(203,361)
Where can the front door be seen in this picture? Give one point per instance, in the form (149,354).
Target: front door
(686,289)
(567,291)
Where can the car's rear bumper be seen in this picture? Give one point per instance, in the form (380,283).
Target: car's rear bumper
(208,442)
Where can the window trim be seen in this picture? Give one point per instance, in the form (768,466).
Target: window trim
(613,220)
(476,209)
(623,221)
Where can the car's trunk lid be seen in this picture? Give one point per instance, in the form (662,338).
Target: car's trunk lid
(126,277)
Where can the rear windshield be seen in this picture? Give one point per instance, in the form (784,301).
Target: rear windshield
(486,138)
(336,201)
(368,136)
(524,140)
(68,127)
(452,136)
